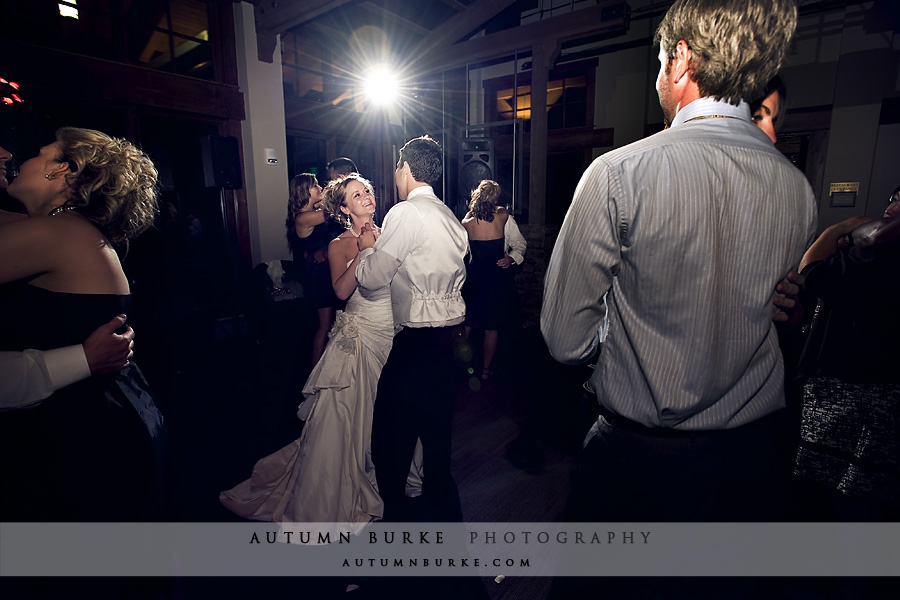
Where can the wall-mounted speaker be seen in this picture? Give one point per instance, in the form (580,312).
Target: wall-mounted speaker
(476,162)
(221,162)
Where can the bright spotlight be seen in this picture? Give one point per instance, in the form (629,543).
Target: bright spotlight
(382,86)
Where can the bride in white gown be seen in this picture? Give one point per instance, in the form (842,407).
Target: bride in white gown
(327,474)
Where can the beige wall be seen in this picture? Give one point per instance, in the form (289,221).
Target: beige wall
(266,185)
(848,58)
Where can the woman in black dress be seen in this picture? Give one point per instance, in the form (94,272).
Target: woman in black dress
(309,232)
(849,442)
(495,243)
(89,452)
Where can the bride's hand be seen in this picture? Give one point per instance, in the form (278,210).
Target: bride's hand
(367,237)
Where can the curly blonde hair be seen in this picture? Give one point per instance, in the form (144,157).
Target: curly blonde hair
(111,182)
(484,200)
(334,197)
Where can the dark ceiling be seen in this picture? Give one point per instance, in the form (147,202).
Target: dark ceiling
(434,34)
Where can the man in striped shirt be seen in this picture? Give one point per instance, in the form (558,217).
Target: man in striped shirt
(686,233)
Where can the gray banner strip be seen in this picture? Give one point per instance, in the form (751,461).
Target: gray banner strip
(449,549)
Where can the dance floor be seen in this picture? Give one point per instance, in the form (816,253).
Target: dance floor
(514,439)
(230,398)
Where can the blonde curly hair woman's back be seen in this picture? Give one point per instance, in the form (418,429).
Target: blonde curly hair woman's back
(111,182)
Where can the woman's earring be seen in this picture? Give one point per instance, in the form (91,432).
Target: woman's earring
(49,176)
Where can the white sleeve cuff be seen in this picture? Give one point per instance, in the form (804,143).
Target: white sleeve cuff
(66,365)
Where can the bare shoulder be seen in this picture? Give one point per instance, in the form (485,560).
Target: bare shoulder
(306,221)
(344,245)
(501,213)
(75,228)
(344,238)
(342,249)
(47,229)
(64,253)
(11,217)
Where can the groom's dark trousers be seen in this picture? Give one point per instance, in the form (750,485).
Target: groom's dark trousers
(416,394)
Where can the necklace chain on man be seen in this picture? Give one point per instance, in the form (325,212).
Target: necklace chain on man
(713,117)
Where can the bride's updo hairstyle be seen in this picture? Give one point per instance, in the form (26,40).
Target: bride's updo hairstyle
(335,194)
(484,200)
(111,182)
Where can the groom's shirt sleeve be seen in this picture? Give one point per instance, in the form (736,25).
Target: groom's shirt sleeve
(400,231)
(30,376)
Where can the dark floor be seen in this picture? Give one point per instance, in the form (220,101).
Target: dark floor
(232,399)
(229,388)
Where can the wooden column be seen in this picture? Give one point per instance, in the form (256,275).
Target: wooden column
(543,55)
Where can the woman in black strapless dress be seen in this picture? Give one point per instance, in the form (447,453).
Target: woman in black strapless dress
(91,451)
(495,243)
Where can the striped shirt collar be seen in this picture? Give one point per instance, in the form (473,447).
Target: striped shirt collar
(707,107)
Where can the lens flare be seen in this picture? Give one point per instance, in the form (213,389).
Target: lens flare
(382,86)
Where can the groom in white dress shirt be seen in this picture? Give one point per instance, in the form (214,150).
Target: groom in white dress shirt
(420,255)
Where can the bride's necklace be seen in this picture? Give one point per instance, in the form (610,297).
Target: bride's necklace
(59,209)
(353,233)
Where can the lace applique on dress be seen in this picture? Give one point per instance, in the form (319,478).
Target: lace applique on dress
(345,332)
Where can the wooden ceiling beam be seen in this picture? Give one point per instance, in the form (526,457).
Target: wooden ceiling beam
(562,28)
(455,5)
(278,16)
(475,15)
(392,17)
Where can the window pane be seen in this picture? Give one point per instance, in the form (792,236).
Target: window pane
(306,79)
(150,48)
(555,117)
(309,86)
(90,33)
(146,13)
(289,80)
(576,115)
(503,129)
(309,54)
(554,91)
(523,97)
(504,103)
(306,155)
(193,58)
(190,18)
(288,49)
(576,94)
